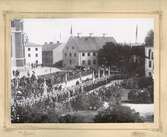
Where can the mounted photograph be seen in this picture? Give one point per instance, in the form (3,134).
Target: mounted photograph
(82,70)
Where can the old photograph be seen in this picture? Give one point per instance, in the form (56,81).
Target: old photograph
(82,70)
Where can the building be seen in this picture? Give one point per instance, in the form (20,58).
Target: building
(51,53)
(17,44)
(82,51)
(33,54)
(149,63)
(58,54)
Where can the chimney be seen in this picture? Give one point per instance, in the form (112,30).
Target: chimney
(90,34)
(45,43)
(58,41)
(78,35)
(50,42)
(104,34)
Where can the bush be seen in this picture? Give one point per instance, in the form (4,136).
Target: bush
(118,114)
(69,119)
(138,96)
(144,82)
(84,102)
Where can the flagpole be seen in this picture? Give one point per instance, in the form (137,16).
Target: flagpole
(71,32)
(136,33)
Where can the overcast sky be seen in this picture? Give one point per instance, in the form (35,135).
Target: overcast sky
(123,30)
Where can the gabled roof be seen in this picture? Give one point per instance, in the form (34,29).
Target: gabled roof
(31,44)
(89,43)
(50,46)
(60,47)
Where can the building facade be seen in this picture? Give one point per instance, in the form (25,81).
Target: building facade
(83,51)
(51,53)
(149,63)
(33,54)
(17,44)
(58,53)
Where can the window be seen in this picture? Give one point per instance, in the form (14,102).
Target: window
(70,54)
(12,24)
(36,61)
(72,47)
(36,55)
(89,62)
(65,54)
(67,48)
(152,55)
(70,61)
(29,55)
(83,62)
(149,64)
(149,53)
(29,49)
(75,54)
(36,49)
(88,54)
(83,54)
(150,74)
(94,62)
(94,54)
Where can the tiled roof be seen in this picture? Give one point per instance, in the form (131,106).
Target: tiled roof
(31,44)
(50,46)
(89,43)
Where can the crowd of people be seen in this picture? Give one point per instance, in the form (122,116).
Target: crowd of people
(33,91)
(59,77)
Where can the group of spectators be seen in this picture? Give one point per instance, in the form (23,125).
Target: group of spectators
(61,76)
(29,91)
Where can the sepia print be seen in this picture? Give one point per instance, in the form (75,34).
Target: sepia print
(82,70)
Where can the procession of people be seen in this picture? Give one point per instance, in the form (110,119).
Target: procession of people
(28,91)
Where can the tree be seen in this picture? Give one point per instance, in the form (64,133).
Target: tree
(84,102)
(128,59)
(149,40)
(118,114)
(138,96)
(144,82)
(108,55)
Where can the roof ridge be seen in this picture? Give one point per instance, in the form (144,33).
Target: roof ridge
(89,43)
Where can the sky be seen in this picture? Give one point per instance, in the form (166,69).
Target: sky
(123,30)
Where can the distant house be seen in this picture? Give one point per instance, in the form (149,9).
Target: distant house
(149,63)
(33,54)
(51,53)
(82,51)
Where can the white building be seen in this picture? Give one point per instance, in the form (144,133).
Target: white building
(33,54)
(149,63)
(83,51)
